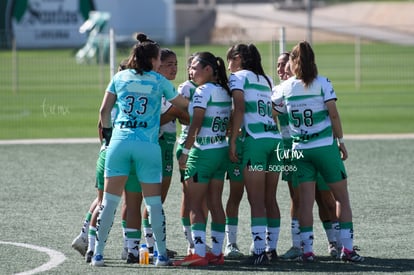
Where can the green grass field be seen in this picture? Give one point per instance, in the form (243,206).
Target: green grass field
(47,189)
(46,94)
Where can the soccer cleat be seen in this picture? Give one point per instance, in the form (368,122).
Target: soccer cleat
(215,259)
(132,259)
(80,244)
(97,260)
(88,256)
(272,255)
(232,251)
(162,261)
(124,253)
(257,259)
(171,253)
(351,256)
(293,253)
(332,250)
(192,260)
(308,257)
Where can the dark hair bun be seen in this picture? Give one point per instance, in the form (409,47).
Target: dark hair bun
(141,37)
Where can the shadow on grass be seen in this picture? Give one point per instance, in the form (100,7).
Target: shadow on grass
(323,264)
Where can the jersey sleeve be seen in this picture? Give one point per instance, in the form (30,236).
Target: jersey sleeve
(328,90)
(201,97)
(168,89)
(165,105)
(111,87)
(277,99)
(235,82)
(184,89)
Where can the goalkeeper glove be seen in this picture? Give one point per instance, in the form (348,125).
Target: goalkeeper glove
(107,134)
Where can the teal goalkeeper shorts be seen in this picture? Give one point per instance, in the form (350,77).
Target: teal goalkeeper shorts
(132,184)
(146,156)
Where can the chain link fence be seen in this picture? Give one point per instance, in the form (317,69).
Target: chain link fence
(50,88)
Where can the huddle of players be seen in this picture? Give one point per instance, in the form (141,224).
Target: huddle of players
(239,125)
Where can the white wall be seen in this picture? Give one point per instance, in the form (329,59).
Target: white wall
(156,18)
(49,24)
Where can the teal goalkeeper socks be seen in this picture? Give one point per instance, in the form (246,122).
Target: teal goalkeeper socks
(105,219)
(157,221)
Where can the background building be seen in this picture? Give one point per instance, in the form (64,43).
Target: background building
(54,24)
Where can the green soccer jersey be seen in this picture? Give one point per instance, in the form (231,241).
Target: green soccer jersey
(309,122)
(258,120)
(217,104)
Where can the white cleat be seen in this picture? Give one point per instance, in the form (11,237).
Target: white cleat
(80,244)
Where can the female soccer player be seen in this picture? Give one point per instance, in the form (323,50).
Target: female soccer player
(251,90)
(137,91)
(309,100)
(205,157)
(166,139)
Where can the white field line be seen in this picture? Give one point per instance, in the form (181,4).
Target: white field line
(49,141)
(95,140)
(379,136)
(56,257)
